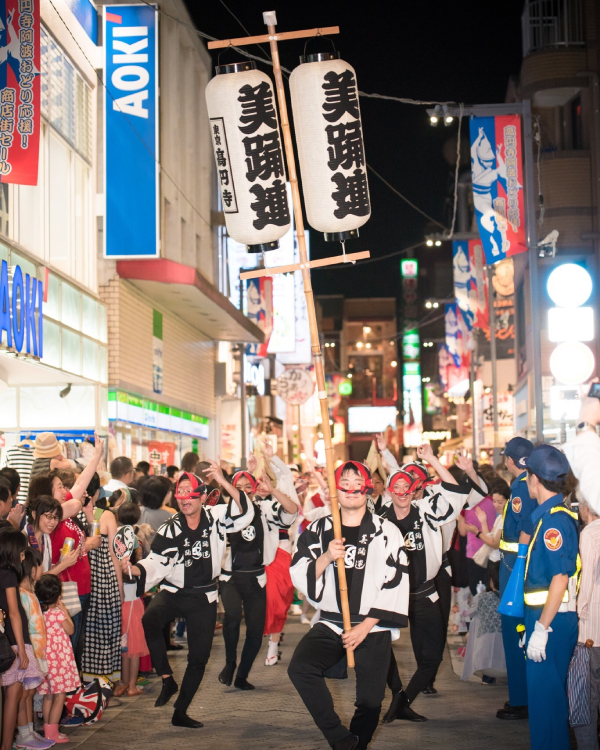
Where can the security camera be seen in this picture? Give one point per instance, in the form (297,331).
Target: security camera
(65,391)
(547,246)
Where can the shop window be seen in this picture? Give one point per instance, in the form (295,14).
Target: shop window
(90,317)
(71,306)
(91,360)
(71,351)
(52,304)
(51,344)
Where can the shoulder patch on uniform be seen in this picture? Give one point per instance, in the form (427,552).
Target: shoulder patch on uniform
(553,539)
(517,504)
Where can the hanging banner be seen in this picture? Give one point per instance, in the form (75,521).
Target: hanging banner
(302,354)
(497,172)
(260,311)
(131,220)
(458,335)
(160,455)
(20,92)
(470,282)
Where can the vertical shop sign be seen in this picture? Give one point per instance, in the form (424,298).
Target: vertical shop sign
(157,351)
(131,220)
(497,172)
(20,91)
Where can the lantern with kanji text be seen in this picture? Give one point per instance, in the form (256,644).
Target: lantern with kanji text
(330,145)
(248,155)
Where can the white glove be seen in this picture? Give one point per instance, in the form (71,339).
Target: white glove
(536,649)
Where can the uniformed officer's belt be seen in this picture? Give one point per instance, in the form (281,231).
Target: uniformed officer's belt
(538,598)
(509,546)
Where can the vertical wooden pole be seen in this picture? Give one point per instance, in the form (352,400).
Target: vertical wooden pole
(312,321)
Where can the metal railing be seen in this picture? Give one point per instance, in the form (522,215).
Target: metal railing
(552,24)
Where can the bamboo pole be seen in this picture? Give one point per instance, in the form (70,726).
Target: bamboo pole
(312,321)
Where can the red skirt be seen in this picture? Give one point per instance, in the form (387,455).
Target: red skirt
(280,592)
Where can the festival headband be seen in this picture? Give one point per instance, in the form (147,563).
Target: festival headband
(362,470)
(402,474)
(239,474)
(414,467)
(198,486)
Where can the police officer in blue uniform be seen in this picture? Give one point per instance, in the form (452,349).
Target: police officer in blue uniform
(516,512)
(552,571)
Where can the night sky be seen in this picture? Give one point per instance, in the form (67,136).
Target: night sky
(461,51)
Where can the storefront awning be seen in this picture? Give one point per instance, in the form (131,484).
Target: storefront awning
(187,294)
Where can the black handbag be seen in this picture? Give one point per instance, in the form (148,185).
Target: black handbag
(7,655)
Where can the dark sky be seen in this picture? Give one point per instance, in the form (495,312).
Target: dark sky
(461,51)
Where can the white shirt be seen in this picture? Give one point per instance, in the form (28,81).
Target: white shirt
(495,531)
(114,485)
(583,453)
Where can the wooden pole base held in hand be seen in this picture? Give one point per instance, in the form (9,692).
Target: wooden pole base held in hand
(304,266)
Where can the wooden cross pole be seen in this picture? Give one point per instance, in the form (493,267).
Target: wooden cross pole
(304,266)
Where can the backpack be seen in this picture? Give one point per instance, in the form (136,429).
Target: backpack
(89,701)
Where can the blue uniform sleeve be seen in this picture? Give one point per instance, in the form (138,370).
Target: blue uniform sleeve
(528,505)
(558,543)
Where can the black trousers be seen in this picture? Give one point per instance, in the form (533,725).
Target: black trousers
(319,650)
(443,584)
(200,616)
(243,591)
(428,639)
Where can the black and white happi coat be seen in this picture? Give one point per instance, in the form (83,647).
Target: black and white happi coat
(183,558)
(259,540)
(422,531)
(379,583)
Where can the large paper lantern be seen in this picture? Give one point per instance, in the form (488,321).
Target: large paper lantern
(330,145)
(247,146)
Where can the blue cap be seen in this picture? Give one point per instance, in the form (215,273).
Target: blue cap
(547,462)
(518,449)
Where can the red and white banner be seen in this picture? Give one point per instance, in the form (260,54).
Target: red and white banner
(20,74)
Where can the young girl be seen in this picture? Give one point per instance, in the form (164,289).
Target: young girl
(24,672)
(132,611)
(62,674)
(32,569)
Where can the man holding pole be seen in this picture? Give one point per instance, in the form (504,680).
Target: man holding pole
(376,570)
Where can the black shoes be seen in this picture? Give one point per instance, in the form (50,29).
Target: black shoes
(174,647)
(181,719)
(429,690)
(350,743)
(512,713)
(241,683)
(400,709)
(226,676)
(169,688)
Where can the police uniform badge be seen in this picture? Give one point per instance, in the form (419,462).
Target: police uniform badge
(517,504)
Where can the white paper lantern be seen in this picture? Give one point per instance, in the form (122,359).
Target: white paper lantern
(330,145)
(249,157)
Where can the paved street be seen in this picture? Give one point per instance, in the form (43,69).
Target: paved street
(272,716)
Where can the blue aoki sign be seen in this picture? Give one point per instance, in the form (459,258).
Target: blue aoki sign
(20,304)
(131,221)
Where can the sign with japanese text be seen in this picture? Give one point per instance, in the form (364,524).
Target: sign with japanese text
(295,386)
(160,455)
(132,217)
(330,145)
(497,173)
(411,353)
(20,73)
(470,281)
(248,155)
(458,335)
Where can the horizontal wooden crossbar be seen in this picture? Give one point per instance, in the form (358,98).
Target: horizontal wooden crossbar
(335,260)
(280,36)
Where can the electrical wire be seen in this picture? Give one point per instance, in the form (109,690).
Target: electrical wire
(404,198)
(131,125)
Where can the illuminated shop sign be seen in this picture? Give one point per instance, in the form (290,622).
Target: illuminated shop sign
(21,316)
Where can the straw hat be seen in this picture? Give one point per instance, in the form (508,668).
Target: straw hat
(46,446)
